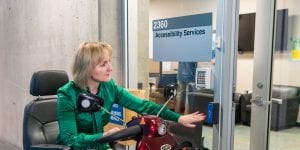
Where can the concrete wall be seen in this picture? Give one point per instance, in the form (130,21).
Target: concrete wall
(38,35)
(110,30)
(143,44)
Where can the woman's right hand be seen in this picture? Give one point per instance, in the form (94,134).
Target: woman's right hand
(110,131)
(189,119)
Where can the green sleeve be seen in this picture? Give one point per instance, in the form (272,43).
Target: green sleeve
(128,100)
(68,134)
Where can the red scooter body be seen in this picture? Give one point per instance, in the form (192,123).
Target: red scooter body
(149,131)
(155,135)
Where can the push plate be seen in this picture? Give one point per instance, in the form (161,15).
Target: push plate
(213,113)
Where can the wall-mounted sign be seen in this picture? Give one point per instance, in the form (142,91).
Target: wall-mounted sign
(185,38)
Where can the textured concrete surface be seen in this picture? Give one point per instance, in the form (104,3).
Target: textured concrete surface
(8,146)
(37,35)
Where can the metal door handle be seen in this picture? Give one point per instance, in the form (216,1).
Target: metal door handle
(258,100)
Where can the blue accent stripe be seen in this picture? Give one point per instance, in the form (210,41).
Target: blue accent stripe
(184,22)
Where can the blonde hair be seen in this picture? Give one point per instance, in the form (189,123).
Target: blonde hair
(88,55)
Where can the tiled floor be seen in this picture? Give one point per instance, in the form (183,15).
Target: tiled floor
(287,139)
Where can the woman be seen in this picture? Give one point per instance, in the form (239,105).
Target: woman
(91,73)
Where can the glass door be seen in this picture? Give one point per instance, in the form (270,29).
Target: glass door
(162,73)
(219,135)
(275,100)
(224,28)
(284,114)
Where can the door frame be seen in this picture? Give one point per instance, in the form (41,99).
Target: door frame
(262,74)
(130,42)
(225,72)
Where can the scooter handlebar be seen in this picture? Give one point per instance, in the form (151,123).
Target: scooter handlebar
(121,135)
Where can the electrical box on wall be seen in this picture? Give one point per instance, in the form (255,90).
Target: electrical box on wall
(203,78)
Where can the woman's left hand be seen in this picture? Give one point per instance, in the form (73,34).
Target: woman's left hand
(189,119)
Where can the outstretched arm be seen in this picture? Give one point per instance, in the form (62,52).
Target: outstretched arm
(189,119)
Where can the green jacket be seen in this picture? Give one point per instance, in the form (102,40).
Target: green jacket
(76,128)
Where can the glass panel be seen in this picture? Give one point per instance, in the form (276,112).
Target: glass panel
(244,74)
(285,116)
(162,73)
